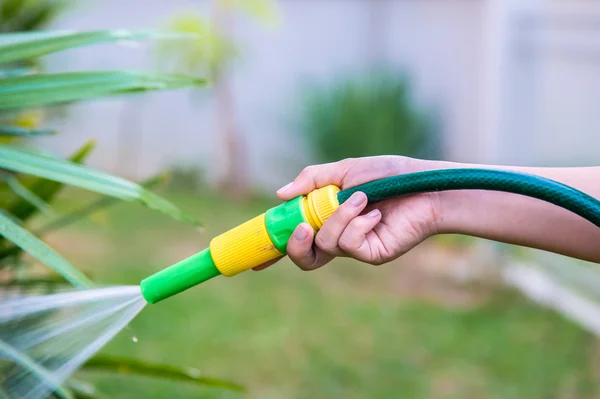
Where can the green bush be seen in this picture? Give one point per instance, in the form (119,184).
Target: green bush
(365,115)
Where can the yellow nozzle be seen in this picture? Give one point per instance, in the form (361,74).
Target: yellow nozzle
(251,244)
(243,247)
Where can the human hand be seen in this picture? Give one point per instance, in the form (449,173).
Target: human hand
(373,234)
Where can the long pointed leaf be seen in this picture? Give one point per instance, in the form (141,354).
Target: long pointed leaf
(25,240)
(46,190)
(83,389)
(23,37)
(14,72)
(48,167)
(19,131)
(123,365)
(94,206)
(27,195)
(43,89)
(25,362)
(35,45)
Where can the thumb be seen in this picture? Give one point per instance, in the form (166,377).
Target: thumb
(315,176)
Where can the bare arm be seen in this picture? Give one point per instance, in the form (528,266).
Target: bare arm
(382,232)
(522,220)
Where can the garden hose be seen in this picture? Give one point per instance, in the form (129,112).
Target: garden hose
(265,237)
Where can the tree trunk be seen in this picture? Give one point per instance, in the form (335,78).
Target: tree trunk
(230,162)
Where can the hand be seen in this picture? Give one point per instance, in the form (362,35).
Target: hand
(374,234)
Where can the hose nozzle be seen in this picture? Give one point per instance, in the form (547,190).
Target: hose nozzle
(248,245)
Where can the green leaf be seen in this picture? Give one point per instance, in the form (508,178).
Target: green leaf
(34,45)
(27,195)
(83,389)
(34,282)
(36,90)
(94,206)
(24,361)
(46,190)
(23,37)
(19,131)
(5,72)
(126,366)
(51,168)
(29,243)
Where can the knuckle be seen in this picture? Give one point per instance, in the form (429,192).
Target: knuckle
(325,243)
(304,263)
(348,244)
(308,171)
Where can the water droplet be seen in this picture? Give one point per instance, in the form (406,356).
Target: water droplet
(134,339)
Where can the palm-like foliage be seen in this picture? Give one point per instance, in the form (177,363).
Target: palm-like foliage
(30,180)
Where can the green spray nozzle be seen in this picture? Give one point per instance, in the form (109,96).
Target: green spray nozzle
(189,272)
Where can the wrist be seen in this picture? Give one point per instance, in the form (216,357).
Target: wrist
(452,212)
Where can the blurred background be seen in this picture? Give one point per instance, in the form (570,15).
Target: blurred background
(297,82)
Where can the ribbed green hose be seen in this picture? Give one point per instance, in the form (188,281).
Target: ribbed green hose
(481,179)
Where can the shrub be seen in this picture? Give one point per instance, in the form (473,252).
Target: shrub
(365,115)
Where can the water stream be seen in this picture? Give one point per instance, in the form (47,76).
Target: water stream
(44,339)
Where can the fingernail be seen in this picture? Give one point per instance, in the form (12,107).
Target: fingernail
(374,214)
(357,198)
(300,234)
(285,188)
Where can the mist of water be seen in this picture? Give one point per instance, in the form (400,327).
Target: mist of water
(44,339)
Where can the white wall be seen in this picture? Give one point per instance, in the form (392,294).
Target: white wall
(552,112)
(437,41)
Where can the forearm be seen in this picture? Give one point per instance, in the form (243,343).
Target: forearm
(520,220)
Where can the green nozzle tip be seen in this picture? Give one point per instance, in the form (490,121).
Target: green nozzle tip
(177,278)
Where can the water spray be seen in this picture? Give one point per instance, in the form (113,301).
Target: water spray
(265,237)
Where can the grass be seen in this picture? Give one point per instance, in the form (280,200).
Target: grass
(345,331)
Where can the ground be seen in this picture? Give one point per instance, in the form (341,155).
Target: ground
(345,331)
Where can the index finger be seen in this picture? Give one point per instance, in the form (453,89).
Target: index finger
(316,176)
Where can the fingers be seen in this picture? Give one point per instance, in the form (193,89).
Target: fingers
(316,176)
(301,251)
(353,240)
(329,236)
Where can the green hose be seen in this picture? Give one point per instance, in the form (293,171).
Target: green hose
(480,179)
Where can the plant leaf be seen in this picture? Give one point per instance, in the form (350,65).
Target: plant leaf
(34,282)
(27,195)
(5,72)
(46,190)
(92,207)
(23,37)
(125,366)
(34,45)
(51,168)
(83,389)
(42,89)
(19,131)
(29,243)
(24,361)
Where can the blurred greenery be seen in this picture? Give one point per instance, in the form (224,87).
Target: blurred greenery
(345,331)
(370,114)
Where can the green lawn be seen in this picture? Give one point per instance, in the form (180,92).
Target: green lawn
(341,332)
